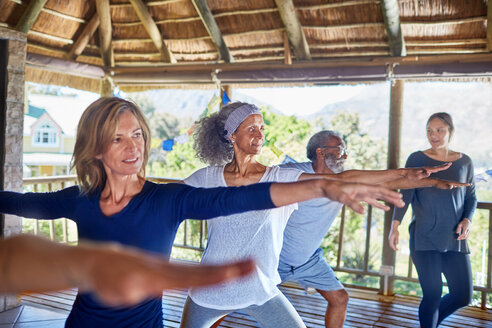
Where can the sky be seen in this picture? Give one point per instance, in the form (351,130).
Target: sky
(288,100)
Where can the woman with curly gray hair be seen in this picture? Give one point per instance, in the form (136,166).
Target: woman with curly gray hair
(230,141)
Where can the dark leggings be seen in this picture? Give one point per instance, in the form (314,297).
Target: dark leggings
(457,269)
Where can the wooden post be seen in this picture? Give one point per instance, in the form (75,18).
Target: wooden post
(287,54)
(105,32)
(30,15)
(4,55)
(394,141)
(489,25)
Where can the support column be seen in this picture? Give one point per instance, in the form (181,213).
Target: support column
(13,46)
(394,142)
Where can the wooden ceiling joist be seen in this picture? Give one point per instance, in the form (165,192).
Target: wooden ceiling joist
(150,3)
(84,38)
(30,15)
(337,4)
(105,32)
(294,29)
(64,67)
(327,71)
(213,29)
(489,25)
(391,16)
(51,37)
(153,31)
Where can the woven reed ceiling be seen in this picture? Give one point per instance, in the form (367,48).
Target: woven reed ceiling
(139,33)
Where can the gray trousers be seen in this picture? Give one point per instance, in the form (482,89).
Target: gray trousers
(277,312)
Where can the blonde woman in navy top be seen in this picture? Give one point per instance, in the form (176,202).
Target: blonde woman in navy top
(440,225)
(113,202)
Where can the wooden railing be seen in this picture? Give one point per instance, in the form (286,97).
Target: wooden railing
(410,276)
(184,242)
(47,184)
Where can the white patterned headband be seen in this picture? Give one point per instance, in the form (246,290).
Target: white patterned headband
(237,117)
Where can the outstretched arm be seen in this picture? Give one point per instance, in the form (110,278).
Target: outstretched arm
(405,183)
(119,276)
(350,194)
(382,176)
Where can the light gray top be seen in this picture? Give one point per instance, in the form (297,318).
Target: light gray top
(307,225)
(256,234)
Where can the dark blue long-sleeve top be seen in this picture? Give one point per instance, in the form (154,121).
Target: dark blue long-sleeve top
(437,212)
(149,222)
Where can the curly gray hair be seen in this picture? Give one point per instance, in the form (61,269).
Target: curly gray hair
(211,144)
(317,140)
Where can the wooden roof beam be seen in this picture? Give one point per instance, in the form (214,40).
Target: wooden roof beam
(151,27)
(105,32)
(489,25)
(391,16)
(30,15)
(294,29)
(213,29)
(84,38)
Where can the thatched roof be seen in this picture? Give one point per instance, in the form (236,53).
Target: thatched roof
(211,34)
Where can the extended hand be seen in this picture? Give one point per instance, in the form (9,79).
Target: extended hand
(393,238)
(125,277)
(446,184)
(351,194)
(463,229)
(417,173)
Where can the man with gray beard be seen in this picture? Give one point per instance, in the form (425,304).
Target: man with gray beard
(301,258)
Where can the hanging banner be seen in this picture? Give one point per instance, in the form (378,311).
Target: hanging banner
(225,98)
(168,144)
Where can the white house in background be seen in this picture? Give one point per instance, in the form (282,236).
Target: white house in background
(47,147)
(50,125)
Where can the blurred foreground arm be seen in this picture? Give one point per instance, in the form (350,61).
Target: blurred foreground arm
(118,275)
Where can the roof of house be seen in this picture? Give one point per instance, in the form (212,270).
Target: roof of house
(56,107)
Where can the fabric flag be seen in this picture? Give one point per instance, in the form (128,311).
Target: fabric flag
(225,98)
(275,150)
(213,103)
(191,130)
(288,159)
(168,144)
(480,177)
(204,113)
(182,138)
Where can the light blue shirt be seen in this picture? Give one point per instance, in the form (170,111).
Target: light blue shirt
(308,225)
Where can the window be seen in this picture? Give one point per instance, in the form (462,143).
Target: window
(45,135)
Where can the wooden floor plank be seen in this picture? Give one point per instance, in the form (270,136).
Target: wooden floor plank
(365,309)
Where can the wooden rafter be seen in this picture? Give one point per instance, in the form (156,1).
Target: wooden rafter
(213,29)
(489,25)
(105,32)
(53,12)
(287,54)
(151,28)
(294,30)
(391,14)
(84,38)
(30,15)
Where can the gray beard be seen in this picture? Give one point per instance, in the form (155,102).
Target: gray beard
(334,164)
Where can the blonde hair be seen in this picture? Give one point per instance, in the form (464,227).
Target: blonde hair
(96,129)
